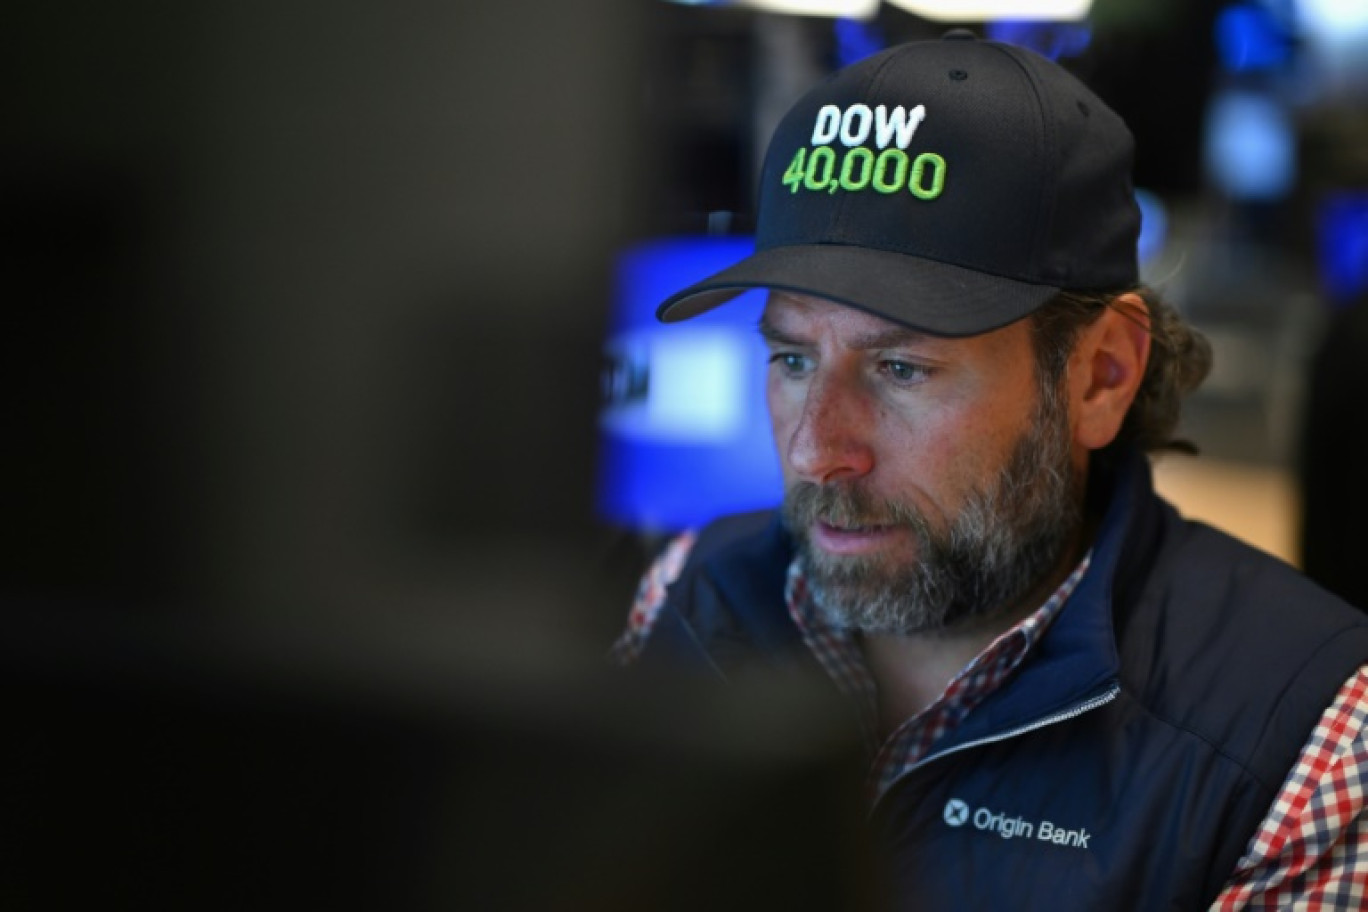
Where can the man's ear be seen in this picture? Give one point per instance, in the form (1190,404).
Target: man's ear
(1106,369)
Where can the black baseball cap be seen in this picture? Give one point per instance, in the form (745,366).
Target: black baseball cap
(952,185)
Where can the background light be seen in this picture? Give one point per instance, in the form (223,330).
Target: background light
(1055,40)
(1250,147)
(856,9)
(856,40)
(1341,18)
(1153,226)
(984,10)
(1249,38)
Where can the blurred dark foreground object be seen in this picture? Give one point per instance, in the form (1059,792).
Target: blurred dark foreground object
(305,303)
(1334,488)
(203,769)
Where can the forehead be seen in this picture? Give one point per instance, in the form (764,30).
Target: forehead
(793,313)
(790,309)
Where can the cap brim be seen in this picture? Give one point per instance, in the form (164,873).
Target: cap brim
(926,295)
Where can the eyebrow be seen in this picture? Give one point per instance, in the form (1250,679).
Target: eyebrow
(771,333)
(892,337)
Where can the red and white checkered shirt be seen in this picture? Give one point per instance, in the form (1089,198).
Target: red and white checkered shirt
(1310,852)
(650,598)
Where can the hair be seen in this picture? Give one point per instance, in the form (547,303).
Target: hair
(1179,360)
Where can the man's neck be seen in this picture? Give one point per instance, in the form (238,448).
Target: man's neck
(913,671)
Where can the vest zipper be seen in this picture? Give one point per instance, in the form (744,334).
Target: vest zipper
(1072,712)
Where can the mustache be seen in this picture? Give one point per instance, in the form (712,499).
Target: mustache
(845,506)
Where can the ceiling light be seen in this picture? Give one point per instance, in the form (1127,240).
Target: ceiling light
(984,10)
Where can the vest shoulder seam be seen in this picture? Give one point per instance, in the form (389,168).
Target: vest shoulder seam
(1214,746)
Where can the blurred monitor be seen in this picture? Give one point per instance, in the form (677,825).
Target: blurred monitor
(1342,246)
(684,429)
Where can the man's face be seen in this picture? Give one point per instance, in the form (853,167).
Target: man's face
(928,483)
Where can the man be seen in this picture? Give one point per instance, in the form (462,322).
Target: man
(1072,698)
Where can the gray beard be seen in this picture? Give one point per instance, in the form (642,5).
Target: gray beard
(1010,534)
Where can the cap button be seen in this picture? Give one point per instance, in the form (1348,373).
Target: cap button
(959,34)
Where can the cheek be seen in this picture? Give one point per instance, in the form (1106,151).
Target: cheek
(943,454)
(927,453)
(785,410)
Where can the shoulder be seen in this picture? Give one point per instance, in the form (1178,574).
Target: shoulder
(1228,591)
(1215,595)
(744,531)
(740,559)
(725,599)
(1235,646)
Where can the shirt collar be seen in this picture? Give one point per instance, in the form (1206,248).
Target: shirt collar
(838,651)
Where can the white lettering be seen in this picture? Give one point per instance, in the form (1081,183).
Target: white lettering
(1075,839)
(827,126)
(900,125)
(1015,826)
(855,124)
(1004,826)
(957,813)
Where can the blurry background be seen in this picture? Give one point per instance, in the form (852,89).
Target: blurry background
(336,428)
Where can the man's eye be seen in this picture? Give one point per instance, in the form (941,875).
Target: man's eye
(790,362)
(906,372)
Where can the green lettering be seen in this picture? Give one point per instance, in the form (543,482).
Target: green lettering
(794,175)
(919,168)
(882,182)
(822,157)
(865,158)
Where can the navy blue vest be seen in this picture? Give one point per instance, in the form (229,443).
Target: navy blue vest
(1134,754)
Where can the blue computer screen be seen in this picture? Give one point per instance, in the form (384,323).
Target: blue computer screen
(684,431)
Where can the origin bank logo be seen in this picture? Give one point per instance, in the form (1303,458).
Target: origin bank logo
(958,814)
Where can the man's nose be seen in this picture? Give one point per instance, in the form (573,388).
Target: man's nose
(830,441)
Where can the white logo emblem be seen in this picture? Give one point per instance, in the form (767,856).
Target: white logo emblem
(956,812)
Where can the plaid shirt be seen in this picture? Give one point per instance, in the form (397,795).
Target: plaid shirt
(1310,852)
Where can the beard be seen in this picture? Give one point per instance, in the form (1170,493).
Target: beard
(1009,535)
